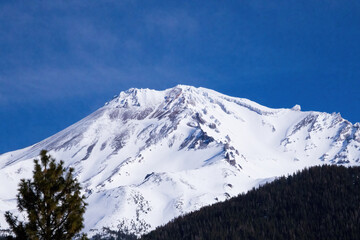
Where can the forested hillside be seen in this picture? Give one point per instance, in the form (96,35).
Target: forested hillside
(316,203)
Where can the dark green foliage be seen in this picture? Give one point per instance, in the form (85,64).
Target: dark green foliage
(317,203)
(109,234)
(52,201)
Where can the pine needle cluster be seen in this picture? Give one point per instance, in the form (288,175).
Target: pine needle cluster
(52,201)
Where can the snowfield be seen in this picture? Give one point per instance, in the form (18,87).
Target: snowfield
(148,156)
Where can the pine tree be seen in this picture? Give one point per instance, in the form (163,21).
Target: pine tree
(52,201)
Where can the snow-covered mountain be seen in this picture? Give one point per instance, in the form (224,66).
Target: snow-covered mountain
(148,156)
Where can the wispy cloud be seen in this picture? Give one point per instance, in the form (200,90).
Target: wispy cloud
(68,54)
(177,22)
(54,83)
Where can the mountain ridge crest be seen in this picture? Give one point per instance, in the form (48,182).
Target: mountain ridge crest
(150,156)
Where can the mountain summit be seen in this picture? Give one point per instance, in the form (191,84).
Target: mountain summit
(148,156)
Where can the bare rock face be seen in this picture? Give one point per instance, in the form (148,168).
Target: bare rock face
(148,156)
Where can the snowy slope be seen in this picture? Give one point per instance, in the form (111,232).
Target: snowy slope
(148,156)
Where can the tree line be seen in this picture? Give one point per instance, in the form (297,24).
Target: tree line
(321,202)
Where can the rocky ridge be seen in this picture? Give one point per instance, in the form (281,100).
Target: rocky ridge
(148,156)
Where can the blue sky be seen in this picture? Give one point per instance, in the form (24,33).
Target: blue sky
(61,60)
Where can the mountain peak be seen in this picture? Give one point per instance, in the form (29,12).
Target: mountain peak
(185,96)
(296,108)
(149,156)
